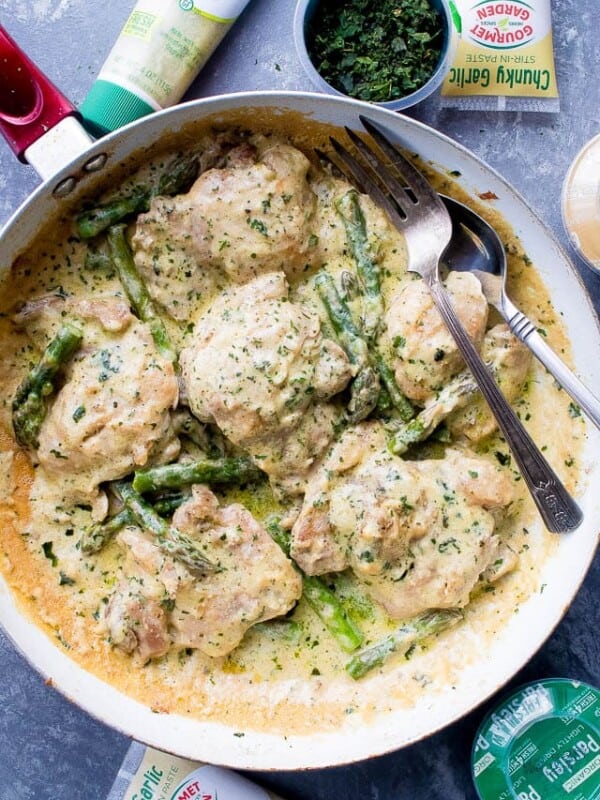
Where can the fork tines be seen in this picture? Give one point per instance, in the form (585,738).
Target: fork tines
(396,185)
(356,173)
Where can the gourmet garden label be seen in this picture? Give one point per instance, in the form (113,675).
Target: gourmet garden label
(149,774)
(504,51)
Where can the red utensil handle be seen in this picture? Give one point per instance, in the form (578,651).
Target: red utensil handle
(30,104)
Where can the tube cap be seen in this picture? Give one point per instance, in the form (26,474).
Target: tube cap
(109,106)
(541,743)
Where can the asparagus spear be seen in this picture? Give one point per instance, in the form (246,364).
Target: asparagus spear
(321,599)
(97,535)
(180,175)
(341,320)
(91,223)
(364,394)
(348,207)
(178,178)
(399,401)
(136,290)
(174,476)
(455,394)
(29,405)
(167,504)
(364,390)
(331,612)
(372,367)
(417,629)
(170,540)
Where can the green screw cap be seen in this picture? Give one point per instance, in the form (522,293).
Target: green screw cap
(541,743)
(109,106)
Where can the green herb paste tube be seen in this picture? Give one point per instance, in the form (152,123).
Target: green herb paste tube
(159,52)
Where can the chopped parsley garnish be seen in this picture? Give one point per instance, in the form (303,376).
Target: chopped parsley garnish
(49,553)
(258,225)
(78,413)
(375,51)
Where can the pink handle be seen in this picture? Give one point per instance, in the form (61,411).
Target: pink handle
(30,104)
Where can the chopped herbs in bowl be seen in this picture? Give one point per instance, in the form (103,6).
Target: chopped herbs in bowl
(393,52)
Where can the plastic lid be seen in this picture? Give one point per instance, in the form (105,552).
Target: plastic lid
(541,743)
(109,106)
(581,203)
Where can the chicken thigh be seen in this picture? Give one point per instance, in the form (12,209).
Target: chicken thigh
(416,534)
(252,215)
(259,367)
(113,413)
(160,604)
(427,355)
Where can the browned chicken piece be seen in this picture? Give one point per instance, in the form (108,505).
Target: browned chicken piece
(257,213)
(166,256)
(258,366)
(417,534)
(166,253)
(510,360)
(482,481)
(427,356)
(257,581)
(160,604)
(137,623)
(253,214)
(137,616)
(112,413)
(42,316)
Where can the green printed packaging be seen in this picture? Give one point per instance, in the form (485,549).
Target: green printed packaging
(162,47)
(541,743)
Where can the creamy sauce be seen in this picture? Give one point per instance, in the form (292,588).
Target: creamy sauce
(281,671)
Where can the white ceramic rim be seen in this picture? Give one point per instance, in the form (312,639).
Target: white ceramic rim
(523,635)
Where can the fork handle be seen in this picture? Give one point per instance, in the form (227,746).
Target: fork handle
(557,508)
(524,329)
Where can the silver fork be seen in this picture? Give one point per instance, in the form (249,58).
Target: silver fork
(418,212)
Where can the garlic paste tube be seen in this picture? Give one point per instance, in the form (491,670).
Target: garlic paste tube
(152,774)
(505,57)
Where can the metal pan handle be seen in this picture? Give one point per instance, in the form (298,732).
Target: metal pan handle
(39,123)
(30,104)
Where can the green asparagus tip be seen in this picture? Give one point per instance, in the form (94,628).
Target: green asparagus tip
(30,404)
(412,632)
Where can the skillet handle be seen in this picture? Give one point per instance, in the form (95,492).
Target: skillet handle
(39,123)
(30,104)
